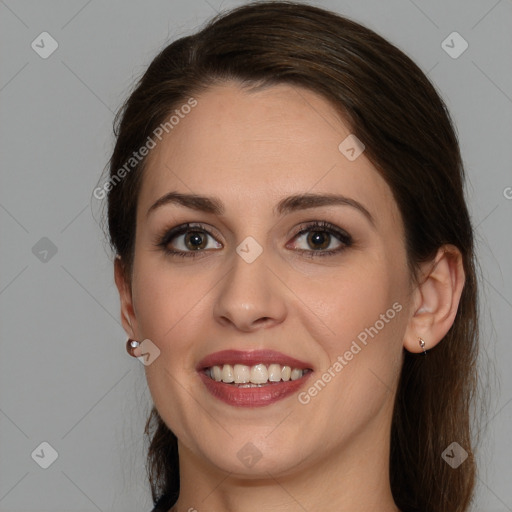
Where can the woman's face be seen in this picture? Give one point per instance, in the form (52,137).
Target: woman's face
(255,283)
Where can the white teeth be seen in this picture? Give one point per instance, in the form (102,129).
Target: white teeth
(241,373)
(227,373)
(258,374)
(217,373)
(296,374)
(274,373)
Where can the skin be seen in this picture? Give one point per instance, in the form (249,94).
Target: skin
(250,149)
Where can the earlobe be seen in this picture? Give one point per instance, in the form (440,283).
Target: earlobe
(125,297)
(437,298)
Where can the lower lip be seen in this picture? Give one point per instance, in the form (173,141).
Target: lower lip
(252,397)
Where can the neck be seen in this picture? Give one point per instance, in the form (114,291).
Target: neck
(353,477)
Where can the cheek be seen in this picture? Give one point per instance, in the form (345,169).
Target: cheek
(364,308)
(166,298)
(354,300)
(170,312)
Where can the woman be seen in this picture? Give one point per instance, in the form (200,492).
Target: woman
(294,259)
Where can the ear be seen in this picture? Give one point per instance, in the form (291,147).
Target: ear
(436,299)
(125,295)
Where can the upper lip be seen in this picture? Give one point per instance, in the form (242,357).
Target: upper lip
(250,358)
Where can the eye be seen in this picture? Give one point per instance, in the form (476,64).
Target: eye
(323,237)
(187,240)
(190,240)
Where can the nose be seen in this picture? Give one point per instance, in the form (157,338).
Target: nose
(251,296)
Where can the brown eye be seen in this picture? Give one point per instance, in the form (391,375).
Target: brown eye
(195,240)
(323,239)
(318,239)
(187,240)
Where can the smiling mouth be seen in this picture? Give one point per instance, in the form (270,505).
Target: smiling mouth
(259,375)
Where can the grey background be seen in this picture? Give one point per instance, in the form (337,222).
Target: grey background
(65,377)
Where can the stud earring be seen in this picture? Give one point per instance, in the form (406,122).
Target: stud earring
(422,345)
(132,347)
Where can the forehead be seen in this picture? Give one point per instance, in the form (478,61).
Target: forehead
(253,147)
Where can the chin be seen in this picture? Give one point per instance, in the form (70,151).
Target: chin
(255,456)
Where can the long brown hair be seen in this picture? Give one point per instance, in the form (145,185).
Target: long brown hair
(389,103)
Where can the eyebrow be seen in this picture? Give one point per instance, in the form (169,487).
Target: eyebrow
(287,205)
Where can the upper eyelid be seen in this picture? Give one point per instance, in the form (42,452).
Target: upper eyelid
(305,226)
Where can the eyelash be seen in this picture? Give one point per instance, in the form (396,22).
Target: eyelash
(162,241)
